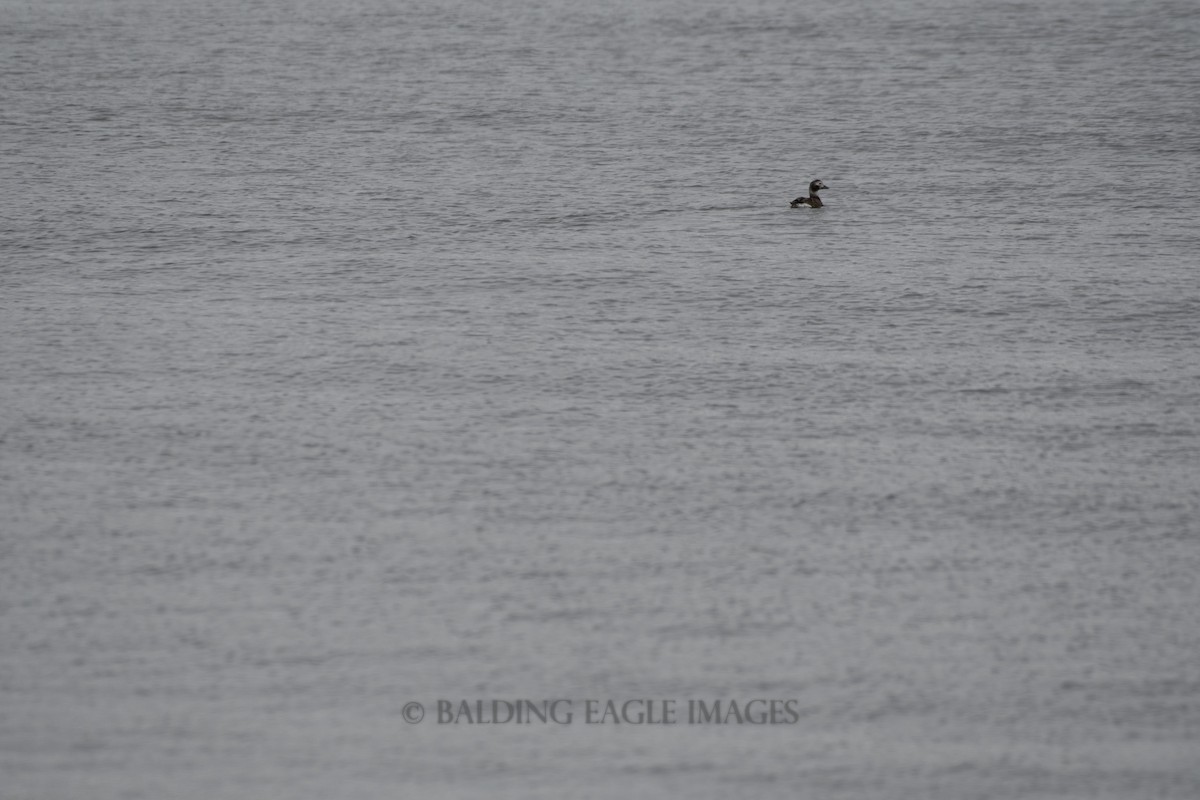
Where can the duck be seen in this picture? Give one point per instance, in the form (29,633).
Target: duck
(812,201)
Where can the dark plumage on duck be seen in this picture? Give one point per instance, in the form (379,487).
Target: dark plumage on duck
(812,201)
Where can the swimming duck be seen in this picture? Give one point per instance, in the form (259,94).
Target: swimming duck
(812,201)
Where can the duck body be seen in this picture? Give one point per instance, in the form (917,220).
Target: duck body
(812,201)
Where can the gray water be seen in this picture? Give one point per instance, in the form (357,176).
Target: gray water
(356,354)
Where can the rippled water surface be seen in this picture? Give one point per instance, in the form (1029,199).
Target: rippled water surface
(358,353)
